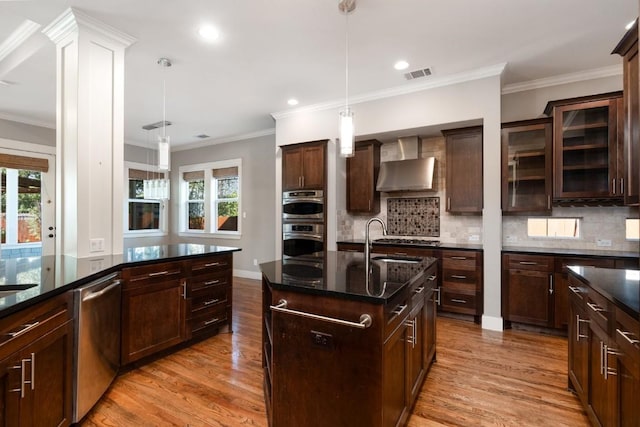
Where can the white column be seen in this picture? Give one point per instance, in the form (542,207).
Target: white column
(89,134)
(11,216)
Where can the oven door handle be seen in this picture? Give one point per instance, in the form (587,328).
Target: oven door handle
(288,236)
(302,200)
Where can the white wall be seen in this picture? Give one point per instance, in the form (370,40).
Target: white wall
(27,133)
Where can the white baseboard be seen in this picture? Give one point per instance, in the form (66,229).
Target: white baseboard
(248,274)
(492,323)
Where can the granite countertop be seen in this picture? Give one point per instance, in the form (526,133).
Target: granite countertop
(569,252)
(342,275)
(442,245)
(620,286)
(26,281)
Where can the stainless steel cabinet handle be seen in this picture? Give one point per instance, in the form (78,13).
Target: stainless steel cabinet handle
(613,186)
(459,301)
(24,329)
(419,290)
(211,282)
(365,319)
(459,258)
(437,291)
(399,309)
(578,321)
(575,290)
(101,292)
(626,334)
(551,284)
(159,273)
(208,322)
(23,375)
(184,289)
(607,370)
(621,185)
(212,264)
(595,307)
(528,263)
(432,278)
(400,253)
(213,301)
(303,180)
(548,202)
(458,276)
(601,358)
(412,338)
(448,203)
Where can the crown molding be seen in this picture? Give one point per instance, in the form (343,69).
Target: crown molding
(480,73)
(561,79)
(18,37)
(27,121)
(72,19)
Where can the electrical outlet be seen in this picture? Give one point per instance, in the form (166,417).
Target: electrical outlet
(511,239)
(474,238)
(255,261)
(96,265)
(603,242)
(96,245)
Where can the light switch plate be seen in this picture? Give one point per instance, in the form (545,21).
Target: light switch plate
(603,242)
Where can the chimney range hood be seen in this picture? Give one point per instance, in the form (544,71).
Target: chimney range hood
(411,173)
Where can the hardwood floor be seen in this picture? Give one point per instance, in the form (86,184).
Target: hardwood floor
(481,378)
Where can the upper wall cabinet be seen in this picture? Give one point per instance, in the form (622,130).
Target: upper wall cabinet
(362,174)
(464,170)
(303,166)
(628,49)
(588,152)
(526,166)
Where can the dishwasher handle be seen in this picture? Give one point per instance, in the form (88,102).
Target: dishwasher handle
(93,295)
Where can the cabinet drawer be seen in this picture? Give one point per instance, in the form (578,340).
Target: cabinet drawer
(216,279)
(396,311)
(211,265)
(151,274)
(598,309)
(209,297)
(561,263)
(460,278)
(530,262)
(209,319)
(459,260)
(351,247)
(458,302)
(627,335)
(402,250)
(577,292)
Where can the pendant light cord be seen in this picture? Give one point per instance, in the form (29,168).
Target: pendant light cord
(346,58)
(164,103)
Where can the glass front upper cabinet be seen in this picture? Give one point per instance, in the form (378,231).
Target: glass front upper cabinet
(588,150)
(526,166)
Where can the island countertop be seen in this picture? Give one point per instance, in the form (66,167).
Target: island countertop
(341,275)
(622,287)
(26,281)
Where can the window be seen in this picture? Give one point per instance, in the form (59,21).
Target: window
(210,198)
(144,216)
(632,226)
(563,228)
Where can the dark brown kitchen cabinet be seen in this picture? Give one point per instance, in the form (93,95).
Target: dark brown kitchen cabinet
(464,170)
(303,166)
(578,340)
(526,166)
(626,368)
(154,309)
(36,365)
(588,148)
(362,175)
(527,289)
(462,290)
(627,48)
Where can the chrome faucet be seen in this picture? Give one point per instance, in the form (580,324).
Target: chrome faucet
(367,243)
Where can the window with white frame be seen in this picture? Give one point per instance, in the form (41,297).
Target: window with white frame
(210,198)
(144,215)
(558,228)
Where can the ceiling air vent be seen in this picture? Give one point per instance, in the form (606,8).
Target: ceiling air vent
(156,125)
(418,73)
(203,136)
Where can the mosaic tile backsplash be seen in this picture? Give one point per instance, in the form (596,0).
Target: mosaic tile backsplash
(419,216)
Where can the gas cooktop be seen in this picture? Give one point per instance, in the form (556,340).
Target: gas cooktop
(407,241)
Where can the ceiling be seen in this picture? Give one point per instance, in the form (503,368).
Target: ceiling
(270,51)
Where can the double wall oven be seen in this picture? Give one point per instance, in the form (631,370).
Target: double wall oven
(303,225)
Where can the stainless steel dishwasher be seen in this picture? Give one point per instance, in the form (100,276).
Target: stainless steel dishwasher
(97,341)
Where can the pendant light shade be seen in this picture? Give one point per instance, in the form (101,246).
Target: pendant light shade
(163,141)
(163,153)
(346,133)
(347,136)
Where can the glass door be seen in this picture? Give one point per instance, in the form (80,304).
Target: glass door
(27,204)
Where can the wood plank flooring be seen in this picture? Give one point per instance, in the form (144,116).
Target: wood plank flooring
(481,378)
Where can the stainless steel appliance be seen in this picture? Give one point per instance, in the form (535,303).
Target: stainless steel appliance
(303,240)
(307,205)
(97,341)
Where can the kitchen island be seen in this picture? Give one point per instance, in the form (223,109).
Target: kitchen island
(345,348)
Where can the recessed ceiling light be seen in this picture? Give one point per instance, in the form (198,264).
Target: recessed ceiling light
(292,101)
(629,25)
(209,32)
(401,65)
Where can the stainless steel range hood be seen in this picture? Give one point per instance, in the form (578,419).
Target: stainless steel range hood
(411,173)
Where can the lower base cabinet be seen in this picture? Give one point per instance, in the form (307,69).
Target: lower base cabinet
(604,357)
(320,374)
(36,365)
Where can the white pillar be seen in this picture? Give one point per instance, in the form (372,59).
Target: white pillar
(11,216)
(89,134)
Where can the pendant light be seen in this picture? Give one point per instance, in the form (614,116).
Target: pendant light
(163,141)
(346,115)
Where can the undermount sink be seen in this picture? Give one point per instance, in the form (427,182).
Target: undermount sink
(398,259)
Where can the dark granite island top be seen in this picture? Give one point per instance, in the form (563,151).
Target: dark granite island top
(26,281)
(341,275)
(622,287)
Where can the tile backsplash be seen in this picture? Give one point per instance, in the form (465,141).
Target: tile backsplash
(416,216)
